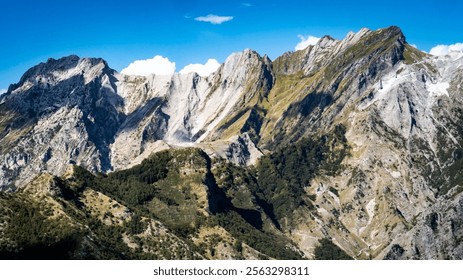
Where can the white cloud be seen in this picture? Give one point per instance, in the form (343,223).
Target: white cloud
(414,45)
(157,65)
(202,69)
(246,4)
(214,19)
(305,42)
(2,91)
(445,49)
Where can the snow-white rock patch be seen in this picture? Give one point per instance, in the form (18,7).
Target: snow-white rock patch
(438,89)
(370,209)
(395,174)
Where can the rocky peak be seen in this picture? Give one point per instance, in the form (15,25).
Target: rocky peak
(56,70)
(393,31)
(353,47)
(238,64)
(383,34)
(58,81)
(326,41)
(354,37)
(64,63)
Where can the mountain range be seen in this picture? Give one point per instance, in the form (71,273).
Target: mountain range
(347,149)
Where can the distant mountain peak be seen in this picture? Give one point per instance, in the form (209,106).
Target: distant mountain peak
(55,70)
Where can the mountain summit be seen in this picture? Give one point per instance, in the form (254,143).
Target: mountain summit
(352,144)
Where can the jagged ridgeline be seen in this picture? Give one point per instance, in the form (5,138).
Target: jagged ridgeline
(347,149)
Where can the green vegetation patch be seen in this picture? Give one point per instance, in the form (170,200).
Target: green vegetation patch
(283,175)
(327,250)
(29,233)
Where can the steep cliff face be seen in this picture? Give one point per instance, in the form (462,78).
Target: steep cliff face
(315,85)
(360,139)
(54,116)
(182,110)
(401,109)
(80,111)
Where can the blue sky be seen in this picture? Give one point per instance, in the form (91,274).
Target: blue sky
(125,31)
